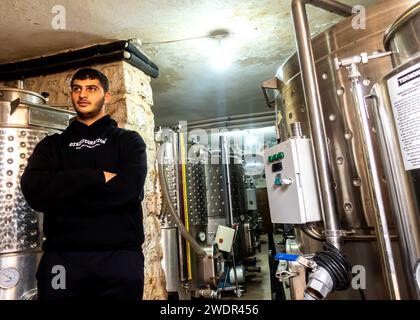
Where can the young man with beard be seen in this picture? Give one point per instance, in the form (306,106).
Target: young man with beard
(89,183)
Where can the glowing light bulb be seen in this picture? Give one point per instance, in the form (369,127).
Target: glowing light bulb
(220,58)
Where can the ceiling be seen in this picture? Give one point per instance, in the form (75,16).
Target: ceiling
(183,37)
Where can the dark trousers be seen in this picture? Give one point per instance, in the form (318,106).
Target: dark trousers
(116,275)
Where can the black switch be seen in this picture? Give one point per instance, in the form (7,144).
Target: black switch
(276,167)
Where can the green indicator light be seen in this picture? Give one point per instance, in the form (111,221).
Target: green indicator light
(281,155)
(270,158)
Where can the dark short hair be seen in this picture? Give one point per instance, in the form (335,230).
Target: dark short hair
(91,74)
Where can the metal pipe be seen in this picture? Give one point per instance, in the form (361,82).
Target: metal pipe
(228,118)
(217,123)
(296,129)
(313,101)
(208,293)
(332,6)
(375,190)
(278,136)
(401,187)
(244,125)
(382,230)
(313,233)
(228,194)
(230,121)
(165,193)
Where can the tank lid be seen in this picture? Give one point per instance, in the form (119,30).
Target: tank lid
(32,93)
(401,20)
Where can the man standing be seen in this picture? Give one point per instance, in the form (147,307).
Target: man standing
(89,183)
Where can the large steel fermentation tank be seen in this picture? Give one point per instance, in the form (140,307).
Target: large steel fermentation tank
(344,138)
(24,121)
(208,191)
(212,200)
(396,112)
(214,195)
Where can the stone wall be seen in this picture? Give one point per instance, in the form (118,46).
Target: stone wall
(130,106)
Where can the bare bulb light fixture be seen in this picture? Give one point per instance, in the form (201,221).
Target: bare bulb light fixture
(220,55)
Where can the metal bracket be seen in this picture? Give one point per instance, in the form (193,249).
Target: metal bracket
(283,274)
(308,263)
(334,233)
(362,58)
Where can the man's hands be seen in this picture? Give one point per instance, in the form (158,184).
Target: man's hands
(109,176)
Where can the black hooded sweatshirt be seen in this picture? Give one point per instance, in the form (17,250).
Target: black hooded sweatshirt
(64,179)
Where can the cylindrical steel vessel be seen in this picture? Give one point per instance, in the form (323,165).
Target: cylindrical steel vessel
(207,194)
(170,263)
(171,241)
(24,121)
(206,203)
(350,174)
(396,111)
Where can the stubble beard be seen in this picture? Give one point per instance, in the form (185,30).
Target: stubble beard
(97,107)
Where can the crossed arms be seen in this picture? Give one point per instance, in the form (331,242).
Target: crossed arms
(45,185)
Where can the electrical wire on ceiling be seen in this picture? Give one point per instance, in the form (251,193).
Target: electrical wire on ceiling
(218,33)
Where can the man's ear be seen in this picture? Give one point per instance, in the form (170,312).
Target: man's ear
(107,97)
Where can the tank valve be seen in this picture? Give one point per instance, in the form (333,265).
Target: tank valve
(329,272)
(208,293)
(320,284)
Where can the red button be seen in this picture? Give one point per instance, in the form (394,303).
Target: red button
(220,240)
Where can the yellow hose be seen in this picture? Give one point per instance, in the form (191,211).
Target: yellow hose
(184,189)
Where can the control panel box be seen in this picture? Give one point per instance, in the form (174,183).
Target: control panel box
(291,182)
(251,199)
(224,238)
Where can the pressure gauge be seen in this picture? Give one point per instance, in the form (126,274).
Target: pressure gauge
(202,236)
(9,277)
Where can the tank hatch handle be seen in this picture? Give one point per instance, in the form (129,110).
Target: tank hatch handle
(14,105)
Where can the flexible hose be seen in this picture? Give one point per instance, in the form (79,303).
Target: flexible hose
(165,193)
(185,200)
(332,260)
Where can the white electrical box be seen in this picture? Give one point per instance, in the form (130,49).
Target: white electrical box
(251,199)
(224,238)
(291,182)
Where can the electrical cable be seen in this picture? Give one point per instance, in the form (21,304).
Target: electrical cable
(335,263)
